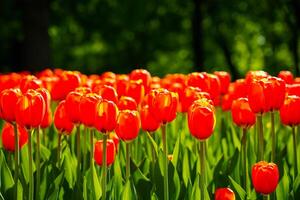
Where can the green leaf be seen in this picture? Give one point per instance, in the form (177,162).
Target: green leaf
(154,145)
(196,189)
(45,153)
(185,168)
(239,190)
(7,180)
(282,190)
(176,152)
(128,192)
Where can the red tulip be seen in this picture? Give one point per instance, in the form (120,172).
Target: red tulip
(266,94)
(255,76)
(289,112)
(47,120)
(128,125)
(201,119)
(224,78)
(8,137)
(108,93)
(115,139)
(109,75)
(163,105)
(73,100)
(199,80)
(110,152)
(287,76)
(30,109)
(8,81)
(148,121)
(226,102)
(242,114)
(127,103)
(121,84)
(61,119)
(136,90)
(265,177)
(141,74)
(30,82)
(8,102)
(83,90)
(224,194)
(191,94)
(88,107)
(106,116)
(293,89)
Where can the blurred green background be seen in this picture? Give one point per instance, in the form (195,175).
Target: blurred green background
(164,36)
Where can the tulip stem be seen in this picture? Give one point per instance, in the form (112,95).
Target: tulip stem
(84,148)
(273,136)
(78,153)
(104,165)
(17,159)
(202,168)
(127,160)
(58,149)
(260,138)
(165,148)
(38,170)
(92,160)
(30,165)
(244,144)
(265,197)
(295,151)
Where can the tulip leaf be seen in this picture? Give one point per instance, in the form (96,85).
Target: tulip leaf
(185,168)
(239,190)
(282,190)
(176,151)
(7,180)
(128,191)
(154,145)
(45,153)
(24,162)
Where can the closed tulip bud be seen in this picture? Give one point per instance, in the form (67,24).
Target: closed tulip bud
(255,76)
(136,90)
(163,105)
(8,102)
(108,92)
(30,109)
(141,74)
(88,107)
(289,112)
(265,177)
(127,103)
(224,78)
(109,75)
(201,119)
(110,152)
(30,82)
(47,120)
(197,79)
(293,89)
(72,106)
(148,121)
(190,94)
(8,137)
(242,114)
(115,139)
(106,116)
(83,90)
(61,119)
(121,84)
(287,76)
(224,194)
(227,102)
(128,125)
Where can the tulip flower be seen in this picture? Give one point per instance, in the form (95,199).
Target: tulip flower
(127,129)
(224,78)
(163,104)
(293,89)
(110,152)
(105,121)
(141,74)
(287,76)
(148,121)
(108,92)
(8,101)
(61,119)
(135,89)
(190,94)
(30,82)
(8,137)
(121,84)
(224,194)
(201,122)
(265,177)
(289,115)
(127,103)
(243,116)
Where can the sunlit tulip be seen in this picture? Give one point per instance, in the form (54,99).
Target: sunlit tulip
(242,114)
(87,108)
(287,76)
(73,100)
(141,74)
(127,103)
(224,194)
(110,152)
(30,82)
(108,92)
(136,90)
(224,78)
(8,137)
(8,102)
(61,119)
(106,116)
(148,121)
(128,125)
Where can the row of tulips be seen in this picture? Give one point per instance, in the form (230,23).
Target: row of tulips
(116,106)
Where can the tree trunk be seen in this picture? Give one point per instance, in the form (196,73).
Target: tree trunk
(35,23)
(198,35)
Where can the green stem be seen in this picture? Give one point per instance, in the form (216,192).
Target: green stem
(265,197)
(92,160)
(165,148)
(127,160)
(104,165)
(17,159)
(38,169)
(295,151)
(202,168)
(260,138)
(58,149)
(84,148)
(244,144)
(273,136)
(78,153)
(30,165)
